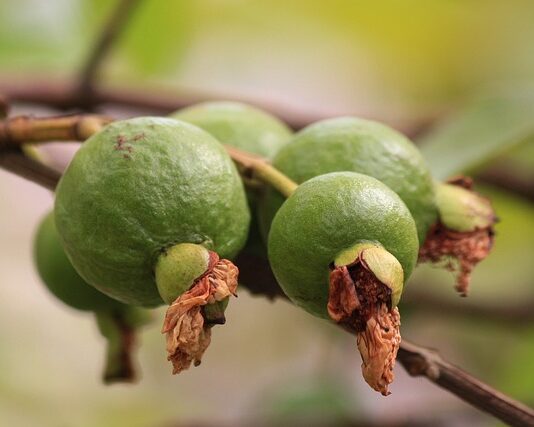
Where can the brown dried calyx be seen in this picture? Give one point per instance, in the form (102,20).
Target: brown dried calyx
(464,234)
(360,302)
(187,331)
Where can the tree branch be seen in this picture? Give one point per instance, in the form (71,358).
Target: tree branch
(107,36)
(504,178)
(24,129)
(63,95)
(418,361)
(4,107)
(519,314)
(15,161)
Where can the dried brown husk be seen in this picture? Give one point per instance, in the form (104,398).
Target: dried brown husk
(188,335)
(361,303)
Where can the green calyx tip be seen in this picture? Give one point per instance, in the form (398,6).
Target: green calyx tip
(463,210)
(348,256)
(178,267)
(214,313)
(385,267)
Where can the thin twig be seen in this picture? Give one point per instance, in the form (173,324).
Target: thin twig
(63,95)
(519,314)
(256,167)
(418,361)
(505,178)
(23,129)
(106,38)
(15,161)
(4,107)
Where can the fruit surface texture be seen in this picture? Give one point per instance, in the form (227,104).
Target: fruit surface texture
(239,125)
(327,215)
(59,275)
(138,187)
(363,146)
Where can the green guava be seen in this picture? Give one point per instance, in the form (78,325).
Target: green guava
(138,188)
(249,129)
(116,321)
(239,125)
(59,275)
(326,216)
(357,145)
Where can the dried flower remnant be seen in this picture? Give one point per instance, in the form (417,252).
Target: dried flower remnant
(464,233)
(187,331)
(361,302)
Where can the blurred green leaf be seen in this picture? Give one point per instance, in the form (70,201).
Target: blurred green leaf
(156,37)
(481,132)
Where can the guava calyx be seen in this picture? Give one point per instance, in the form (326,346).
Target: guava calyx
(187,332)
(459,251)
(360,302)
(464,234)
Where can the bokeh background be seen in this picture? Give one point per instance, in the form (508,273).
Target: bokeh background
(459,74)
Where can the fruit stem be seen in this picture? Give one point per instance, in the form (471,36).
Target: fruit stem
(257,167)
(23,129)
(118,327)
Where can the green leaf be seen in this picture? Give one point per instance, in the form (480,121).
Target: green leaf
(479,133)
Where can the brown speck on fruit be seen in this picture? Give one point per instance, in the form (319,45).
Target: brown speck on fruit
(361,303)
(139,137)
(459,251)
(188,335)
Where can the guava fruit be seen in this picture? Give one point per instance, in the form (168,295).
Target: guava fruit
(341,247)
(133,195)
(117,322)
(255,131)
(239,125)
(363,146)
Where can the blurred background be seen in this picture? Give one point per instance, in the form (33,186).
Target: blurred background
(458,76)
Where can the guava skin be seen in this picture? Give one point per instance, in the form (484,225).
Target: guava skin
(246,128)
(59,275)
(326,215)
(239,125)
(140,186)
(363,146)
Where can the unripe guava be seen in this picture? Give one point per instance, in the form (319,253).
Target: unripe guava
(141,186)
(324,217)
(363,146)
(116,321)
(239,125)
(59,275)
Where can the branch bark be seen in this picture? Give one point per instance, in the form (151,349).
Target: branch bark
(15,161)
(418,361)
(425,362)
(4,107)
(24,129)
(64,96)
